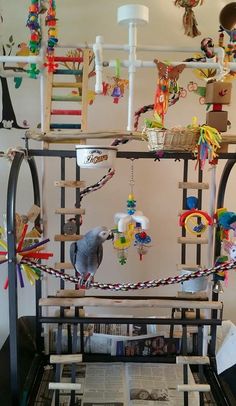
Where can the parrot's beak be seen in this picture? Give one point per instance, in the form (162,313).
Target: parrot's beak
(110,236)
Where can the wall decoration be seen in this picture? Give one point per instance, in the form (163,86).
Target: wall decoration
(8,119)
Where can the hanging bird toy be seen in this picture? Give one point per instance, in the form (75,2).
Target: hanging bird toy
(25,251)
(189,20)
(117,88)
(131,226)
(167,84)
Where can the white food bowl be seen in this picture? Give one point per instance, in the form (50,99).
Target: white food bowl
(94,156)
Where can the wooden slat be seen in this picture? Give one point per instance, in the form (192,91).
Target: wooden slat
(68,59)
(70,183)
(194,388)
(201,295)
(192,240)
(64,386)
(67,237)
(189,266)
(193,185)
(66,359)
(192,360)
(63,112)
(63,265)
(84,119)
(66,98)
(93,301)
(48,103)
(228,139)
(70,293)
(73,210)
(68,72)
(67,84)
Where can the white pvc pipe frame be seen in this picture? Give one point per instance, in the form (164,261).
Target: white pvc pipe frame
(132,63)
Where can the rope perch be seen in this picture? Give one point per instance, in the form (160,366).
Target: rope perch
(134,285)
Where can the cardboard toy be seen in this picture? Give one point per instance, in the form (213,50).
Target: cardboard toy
(218,92)
(218,120)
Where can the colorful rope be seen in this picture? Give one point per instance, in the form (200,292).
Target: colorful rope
(98,185)
(132,285)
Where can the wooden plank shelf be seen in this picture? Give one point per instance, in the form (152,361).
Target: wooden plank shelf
(62,210)
(67,237)
(70,183)
(138,303)
(74,136)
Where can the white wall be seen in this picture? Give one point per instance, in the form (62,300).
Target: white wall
(156,183)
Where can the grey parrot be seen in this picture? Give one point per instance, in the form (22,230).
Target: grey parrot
(86,254)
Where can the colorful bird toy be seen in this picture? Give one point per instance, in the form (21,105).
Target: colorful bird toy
(193,220)
(117,88)
(131,226)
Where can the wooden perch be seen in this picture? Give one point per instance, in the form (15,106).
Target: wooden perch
(141,303)
(66,359)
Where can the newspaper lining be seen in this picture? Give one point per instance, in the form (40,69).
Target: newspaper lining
(127,384)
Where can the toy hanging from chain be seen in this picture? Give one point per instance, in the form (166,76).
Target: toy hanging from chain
(167,84)
(189,20)
(35,36)
(131,225)
(51,23)
(117,88)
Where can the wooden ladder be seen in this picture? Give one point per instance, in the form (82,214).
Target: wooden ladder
(74,212)
(186,239)
(56,84)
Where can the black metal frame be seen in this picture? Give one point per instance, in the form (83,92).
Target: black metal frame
(12,276)
(13,307)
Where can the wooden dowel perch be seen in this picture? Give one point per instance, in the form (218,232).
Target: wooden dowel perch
(66,359)
(64,386)
(194,388)
(192,360)
(193,185)
(70,183)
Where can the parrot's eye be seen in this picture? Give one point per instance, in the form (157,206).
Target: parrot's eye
(104,234)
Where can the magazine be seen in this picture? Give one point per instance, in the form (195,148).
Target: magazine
(148,345)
